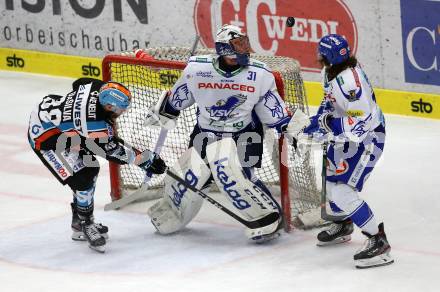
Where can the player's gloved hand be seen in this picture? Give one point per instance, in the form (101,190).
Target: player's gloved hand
(324,121)
(151,162)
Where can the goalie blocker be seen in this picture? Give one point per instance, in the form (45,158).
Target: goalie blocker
(180,205)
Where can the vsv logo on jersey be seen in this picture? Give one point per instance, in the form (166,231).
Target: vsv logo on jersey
(421,41)
(359,129)
(272,36)
(223,109)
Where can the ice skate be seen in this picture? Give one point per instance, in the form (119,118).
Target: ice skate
(337,232)
(376,251)
(77,233)
(91,234)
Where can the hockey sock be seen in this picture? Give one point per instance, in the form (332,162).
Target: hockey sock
(363,217)
(335,208)
(84,202)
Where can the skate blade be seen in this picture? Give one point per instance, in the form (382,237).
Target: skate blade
(377,261)
(266,238)
(79,236)
(338,240)
(100,249)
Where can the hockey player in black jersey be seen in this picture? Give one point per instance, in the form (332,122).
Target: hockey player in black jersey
(67,132)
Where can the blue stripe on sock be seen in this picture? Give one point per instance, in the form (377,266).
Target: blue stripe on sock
(334,207)
(362,215)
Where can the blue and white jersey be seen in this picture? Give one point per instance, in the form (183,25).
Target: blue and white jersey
(350,99)
(226,100)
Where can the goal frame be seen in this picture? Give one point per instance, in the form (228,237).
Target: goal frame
(114,168)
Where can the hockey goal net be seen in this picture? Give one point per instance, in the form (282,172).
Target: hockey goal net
(294,180)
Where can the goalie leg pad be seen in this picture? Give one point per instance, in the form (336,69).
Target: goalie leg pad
(179,204)
(267,195)
(247,198)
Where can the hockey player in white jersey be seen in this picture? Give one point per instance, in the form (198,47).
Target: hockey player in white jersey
(350,117)
(235,95)
(67,132)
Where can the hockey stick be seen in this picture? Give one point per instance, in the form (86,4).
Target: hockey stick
(266,220)
(324,214)
(140,193)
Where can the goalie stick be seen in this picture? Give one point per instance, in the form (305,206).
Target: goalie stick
(324,214)
(161,140)
(266,220)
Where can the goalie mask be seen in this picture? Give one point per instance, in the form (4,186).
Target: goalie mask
(334,49)
(115,97)
(232,42)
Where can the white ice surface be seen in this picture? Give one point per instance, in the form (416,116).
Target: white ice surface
(212,254)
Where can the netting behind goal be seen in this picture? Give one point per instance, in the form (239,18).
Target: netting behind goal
(295,180)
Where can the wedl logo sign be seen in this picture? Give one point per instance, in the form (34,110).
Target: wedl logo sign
(421,40)
(265,23)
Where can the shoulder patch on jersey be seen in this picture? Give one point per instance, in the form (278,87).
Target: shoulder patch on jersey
(349,84)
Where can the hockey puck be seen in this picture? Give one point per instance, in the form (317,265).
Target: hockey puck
(290,21)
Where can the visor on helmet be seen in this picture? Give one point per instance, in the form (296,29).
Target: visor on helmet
(116,97)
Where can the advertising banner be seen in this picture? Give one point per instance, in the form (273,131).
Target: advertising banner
(265,23)
(94,28)
(421,41)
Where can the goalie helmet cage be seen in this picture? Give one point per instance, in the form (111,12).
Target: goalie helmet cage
(294,179)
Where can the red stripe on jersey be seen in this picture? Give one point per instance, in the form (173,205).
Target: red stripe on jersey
(45,136)
(356,77)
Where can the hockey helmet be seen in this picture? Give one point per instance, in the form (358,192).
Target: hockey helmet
(232,42)
(334,48)
(116,95)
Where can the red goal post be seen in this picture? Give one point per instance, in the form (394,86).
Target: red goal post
(293,179)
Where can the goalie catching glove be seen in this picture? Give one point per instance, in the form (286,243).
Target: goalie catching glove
(162,114)
(298,122)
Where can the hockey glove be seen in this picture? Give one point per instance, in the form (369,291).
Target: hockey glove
(152,163)
(324,121)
